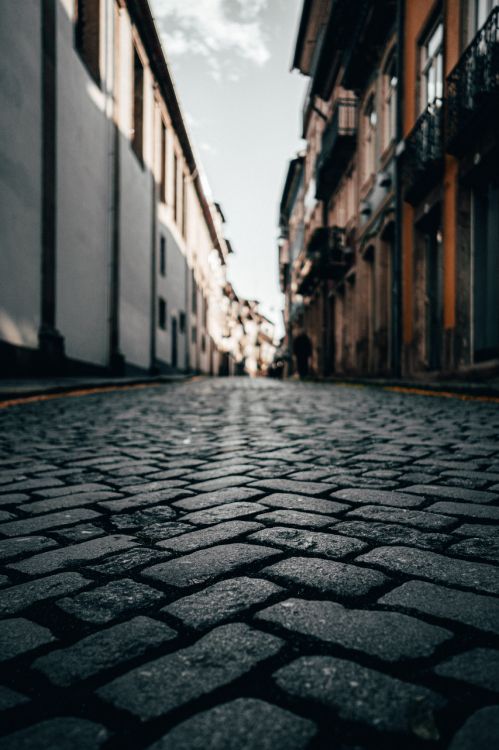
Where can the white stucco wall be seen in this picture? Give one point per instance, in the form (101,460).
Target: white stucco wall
(136,220)
(20,171)
(84,192)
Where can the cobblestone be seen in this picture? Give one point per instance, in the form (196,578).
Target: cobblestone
(218,658)
(17,598)
(104,650)
(243,724)
(387,635)
(362,695)
(476,610)
(17,636)
(325,576)
(204,565)
(431,565)
(479,732)
(479,667)
(107,602)
(222,601)
(249,564)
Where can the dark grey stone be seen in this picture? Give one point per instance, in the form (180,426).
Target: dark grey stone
(314,542)
(49,521)
(136,557)
(290,501)
(363,695)
(388,635)
(325,575)
(104,650)
(372,496)
(466,510)
(16,598)
(481,612)
(454,493)
(11,698)
(243,724)
(224,512)
(218,497)
(222,601)
(418,518)
(478,667)
(222,532)
(206,564)
(64,557)
(296,518)
(435,567)
(159,686)
(18,636)
(107,602)
(13,547)
(293,486)
(479,732)
(391,533)
(64,733)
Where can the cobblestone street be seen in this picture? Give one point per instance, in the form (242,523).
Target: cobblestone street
(243,564)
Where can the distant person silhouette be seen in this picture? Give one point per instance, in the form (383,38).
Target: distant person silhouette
(302,349)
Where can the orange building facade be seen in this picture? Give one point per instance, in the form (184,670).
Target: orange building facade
(389,250)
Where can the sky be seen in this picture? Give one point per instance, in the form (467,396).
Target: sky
(230,61)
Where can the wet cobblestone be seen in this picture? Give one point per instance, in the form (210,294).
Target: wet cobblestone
(224,564)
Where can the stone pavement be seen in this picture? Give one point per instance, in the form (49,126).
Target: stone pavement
(249,565)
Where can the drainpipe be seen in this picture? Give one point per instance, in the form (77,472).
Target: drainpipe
(397,256)
(153,367)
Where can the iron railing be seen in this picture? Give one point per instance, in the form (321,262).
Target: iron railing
(338,143)
(424,152)
(473,84)
(330,257)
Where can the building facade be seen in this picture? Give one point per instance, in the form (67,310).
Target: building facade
(394,269)
(112,257)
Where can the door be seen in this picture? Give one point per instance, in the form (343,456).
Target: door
(486,273)
(434,298)
(174,343)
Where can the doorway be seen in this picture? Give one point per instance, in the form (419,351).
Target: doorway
(434,297)
(174,343)
(486,273)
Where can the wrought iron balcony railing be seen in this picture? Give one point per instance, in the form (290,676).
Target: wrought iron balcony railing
(423,157)
(338,145)
(473,85)
(327,257)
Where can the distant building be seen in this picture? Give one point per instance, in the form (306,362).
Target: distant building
(389,247)
(112,256)
(249,338)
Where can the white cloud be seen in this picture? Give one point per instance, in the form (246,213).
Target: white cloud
(212,29)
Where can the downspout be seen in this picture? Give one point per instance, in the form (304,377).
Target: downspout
(397,256)
(153,367)
(116,358)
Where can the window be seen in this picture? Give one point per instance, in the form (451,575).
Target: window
(480,10)
(162,184)
(175,187)
(205,312)
(87,35)
(203,343)
(162,256)
(389,101)
(431,72)
(194,334)
(162,314)
(370,120)
(181,321)
(137,105)
(194,294)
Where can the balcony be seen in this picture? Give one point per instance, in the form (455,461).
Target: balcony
(338,146)
(424,154)
(473,87)
(327,258)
